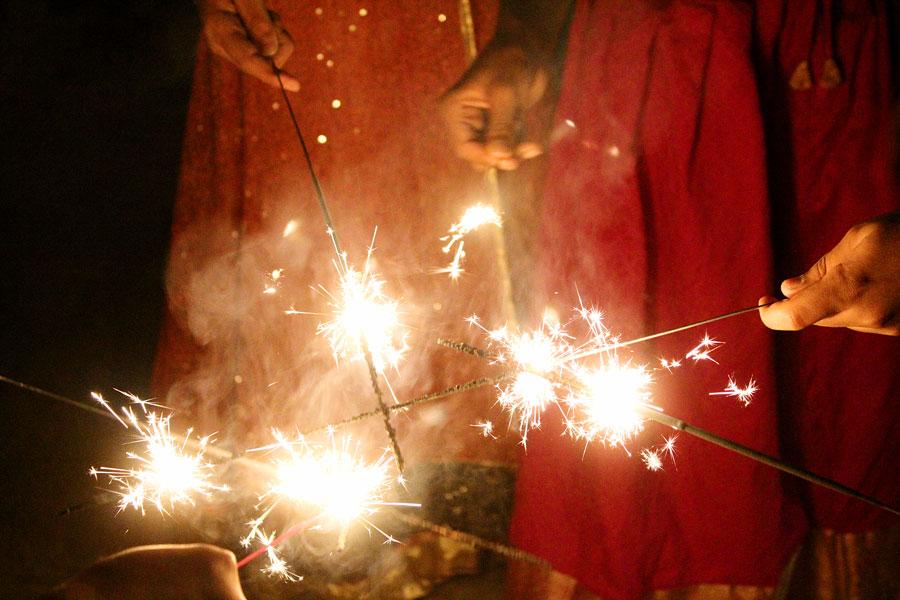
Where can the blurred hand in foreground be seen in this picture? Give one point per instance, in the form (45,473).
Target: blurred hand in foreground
(250,36)
(484,111)
(855,285)
(166,572)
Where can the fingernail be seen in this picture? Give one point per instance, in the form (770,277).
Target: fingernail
(792,282)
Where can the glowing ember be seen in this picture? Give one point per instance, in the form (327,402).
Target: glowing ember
(273,281)
(474,217)
(165,472)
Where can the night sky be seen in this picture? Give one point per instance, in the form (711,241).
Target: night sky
(93,97)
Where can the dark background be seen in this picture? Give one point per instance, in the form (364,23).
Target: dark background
(93,97)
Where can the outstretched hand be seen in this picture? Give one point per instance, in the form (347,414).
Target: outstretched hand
(855,285)
(247,34)
(166,572)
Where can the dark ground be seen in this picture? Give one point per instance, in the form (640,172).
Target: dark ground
(93,97)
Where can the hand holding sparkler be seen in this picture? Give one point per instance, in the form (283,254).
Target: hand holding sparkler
(246,33)
(855,285)
(165,572)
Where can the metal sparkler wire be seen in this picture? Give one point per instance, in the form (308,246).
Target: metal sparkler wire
(329,224)
(426,399)
(806,475)
(660,334)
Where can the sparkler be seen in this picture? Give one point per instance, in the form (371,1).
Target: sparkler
(332,480)
(342,257)
(475,217)
(165,472)
(642,409)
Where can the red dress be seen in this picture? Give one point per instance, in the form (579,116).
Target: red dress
(701,171)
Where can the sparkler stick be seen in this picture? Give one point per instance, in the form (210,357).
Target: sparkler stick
(471,539)
(806,475)
(329,224)
(660,334)
(427,398)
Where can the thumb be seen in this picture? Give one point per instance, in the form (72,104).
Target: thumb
(793,285)
(500,134)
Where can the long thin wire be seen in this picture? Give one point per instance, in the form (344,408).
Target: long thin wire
(329,224)
(320,195)
(805,474)
(59,398)
(660,334)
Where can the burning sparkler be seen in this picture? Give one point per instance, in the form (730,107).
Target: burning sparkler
(332,481)
(168,471)
(475,217)
(363,317)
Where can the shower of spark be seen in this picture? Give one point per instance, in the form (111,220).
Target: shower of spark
(363,317)
(474,217)
(166,472)
(537,357)
(603,396)
(743,394)
(606,404)
(332,481)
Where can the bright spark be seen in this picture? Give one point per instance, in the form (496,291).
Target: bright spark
(277,566)
(652,459)
(289,228)
(474,217)
(487,429)
(333,481)
(703,350)
(165,472)
(743,394)
(606,405)
(363,317)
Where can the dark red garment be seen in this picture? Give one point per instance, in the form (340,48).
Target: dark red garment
(660,208)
